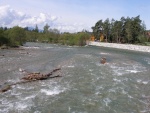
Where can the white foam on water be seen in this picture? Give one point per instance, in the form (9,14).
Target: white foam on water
(85,55)
(117,70)
(68,66)
(49,47)
(112,90)
(126,68)
(133,71)
(143,102)
(4,102)
(99,64)
(147,60)
(69,48)
(107,101)
(15,93)
(142,82)
(29,97)
(5,106)
(116,80)
(139,80)
(37,112)
(90,70)
(98,89)
(13,80)
(129,96)
(145,82)
(21,106)
(145,111)
(71,66)
(124,92)
(144,96)
(54,91)
(102,53)
(26,88)
(31,47)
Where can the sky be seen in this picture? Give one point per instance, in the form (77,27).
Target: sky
(69,15)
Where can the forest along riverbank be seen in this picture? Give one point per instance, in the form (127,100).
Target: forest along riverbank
(121,85)
(121,46)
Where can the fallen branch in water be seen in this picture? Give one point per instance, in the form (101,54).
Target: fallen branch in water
(5,88)
(38,76)
(32,77)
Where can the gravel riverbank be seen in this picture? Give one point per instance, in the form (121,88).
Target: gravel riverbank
(121,46)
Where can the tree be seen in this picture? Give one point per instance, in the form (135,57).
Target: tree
(36,29)
(143,37)
(132,29)
(82,37)
(106,26)
(117,31)
(123,20)
(3,39)
(124,30)
(98,29)
(46,28)
(26,29)
(136,27)
(17,36)
(112,30)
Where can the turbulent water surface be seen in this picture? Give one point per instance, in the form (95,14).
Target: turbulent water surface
(122,85)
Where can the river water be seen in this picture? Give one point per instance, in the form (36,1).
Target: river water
(122,85)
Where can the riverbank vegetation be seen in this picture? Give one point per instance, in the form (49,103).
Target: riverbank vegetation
(17,36)
(126,30)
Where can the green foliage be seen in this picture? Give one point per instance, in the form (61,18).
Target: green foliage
(106,30)
(16,36)
(31,36)
(98,29)
(36,29)
(3,39)
(117,31)
(126,30)
(82,37)
(46,28)
(74,38)
(142,39)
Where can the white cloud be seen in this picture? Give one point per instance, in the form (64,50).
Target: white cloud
(75,27)
(40,20)
(10,17)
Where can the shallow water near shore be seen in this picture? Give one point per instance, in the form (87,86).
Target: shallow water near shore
(122,85)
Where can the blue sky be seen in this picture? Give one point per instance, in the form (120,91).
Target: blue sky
(70,15)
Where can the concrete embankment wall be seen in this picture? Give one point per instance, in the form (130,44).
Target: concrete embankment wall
(121,46)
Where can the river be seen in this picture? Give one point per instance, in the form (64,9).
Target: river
(122,85)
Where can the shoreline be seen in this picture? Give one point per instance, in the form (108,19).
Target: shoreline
(121,46)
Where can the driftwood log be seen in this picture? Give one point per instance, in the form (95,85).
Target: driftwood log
(38,76)
(32,77)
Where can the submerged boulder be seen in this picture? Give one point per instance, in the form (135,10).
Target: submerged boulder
(103,60)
